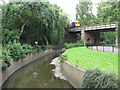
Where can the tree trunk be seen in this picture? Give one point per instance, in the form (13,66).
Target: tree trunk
(22,28)
(46,40)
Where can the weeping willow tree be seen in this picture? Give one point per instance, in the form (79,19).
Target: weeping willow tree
(35,21)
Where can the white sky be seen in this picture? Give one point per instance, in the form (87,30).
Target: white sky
(69,6)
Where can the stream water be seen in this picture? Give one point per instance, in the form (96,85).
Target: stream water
(38,74)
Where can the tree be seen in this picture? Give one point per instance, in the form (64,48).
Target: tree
(36,21)
(108,12)
(84,13)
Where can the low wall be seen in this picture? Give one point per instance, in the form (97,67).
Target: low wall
(20,63)
(73,74)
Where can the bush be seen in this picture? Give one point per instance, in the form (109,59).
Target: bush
(5,57)
(89,44)
(71,45)
(45,47)
(57,47)
(9,36)
(27,48)
(96,79)
(16,50)
(63,58)
(37,48)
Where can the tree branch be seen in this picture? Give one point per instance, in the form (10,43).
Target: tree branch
(22,28)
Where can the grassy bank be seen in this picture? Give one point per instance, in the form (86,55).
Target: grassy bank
(89,59)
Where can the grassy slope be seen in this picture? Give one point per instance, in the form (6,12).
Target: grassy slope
(89,59)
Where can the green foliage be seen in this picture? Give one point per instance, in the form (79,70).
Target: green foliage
(107,12)
(108,38)
(46,22)
(84,13)
(37,48)
(56,47)
(71,45)
(9,36)
(96,79)
(6,58)
(27,48)
(89,44)
(45,47)
(63,58)
(85,58)
(16,50)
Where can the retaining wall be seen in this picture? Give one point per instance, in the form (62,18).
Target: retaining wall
(20,63)
(73,74)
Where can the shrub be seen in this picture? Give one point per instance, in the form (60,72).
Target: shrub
(16,50)
(37,48)
(71,45)
(89,44)
(63,58)
(96,79)
(5,57)
(45,47)
(57,47)
(9,36)
(27,48)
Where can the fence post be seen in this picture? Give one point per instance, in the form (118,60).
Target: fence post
(103,48)
(113,49)
(97,48)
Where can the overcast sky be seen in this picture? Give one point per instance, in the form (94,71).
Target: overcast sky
(69,6)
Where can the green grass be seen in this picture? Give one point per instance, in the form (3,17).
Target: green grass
(117,47)
(90,59)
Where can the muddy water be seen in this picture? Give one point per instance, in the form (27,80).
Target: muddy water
(38,74)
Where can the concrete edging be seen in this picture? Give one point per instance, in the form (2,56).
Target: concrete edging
(73,74)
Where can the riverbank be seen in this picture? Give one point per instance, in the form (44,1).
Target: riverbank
(68,72)
(90,59)
(28,59)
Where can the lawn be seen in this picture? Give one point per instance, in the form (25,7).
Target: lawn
(117,47)
(90,59)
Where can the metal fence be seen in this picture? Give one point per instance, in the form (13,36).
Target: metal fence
(105,48)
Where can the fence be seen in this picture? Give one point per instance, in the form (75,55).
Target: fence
(105,48)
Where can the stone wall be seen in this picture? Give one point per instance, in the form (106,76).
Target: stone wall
(73,74)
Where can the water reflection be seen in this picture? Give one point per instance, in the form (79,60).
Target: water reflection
(38,74)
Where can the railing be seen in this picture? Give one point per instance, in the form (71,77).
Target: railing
(100,24)
(105,48)
(97,26)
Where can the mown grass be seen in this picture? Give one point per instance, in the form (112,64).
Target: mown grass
(118,47)
(90,59)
